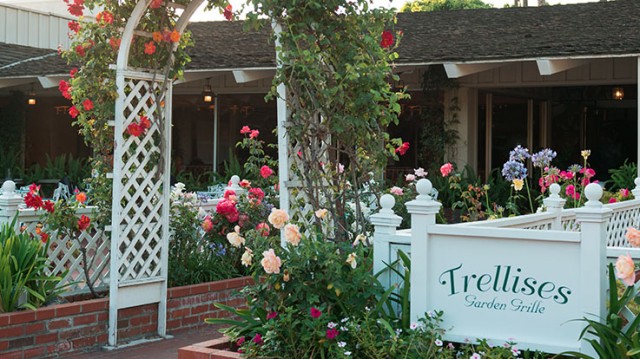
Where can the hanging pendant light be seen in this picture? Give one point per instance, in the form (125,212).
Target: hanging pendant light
(207,92)
(31,99)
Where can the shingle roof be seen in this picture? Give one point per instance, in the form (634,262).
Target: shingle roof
(521,33)
(590,29)
(223,45)
(22,60)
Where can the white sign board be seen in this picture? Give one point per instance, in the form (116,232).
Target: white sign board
(507,284)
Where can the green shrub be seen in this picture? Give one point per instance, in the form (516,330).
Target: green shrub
(23,264)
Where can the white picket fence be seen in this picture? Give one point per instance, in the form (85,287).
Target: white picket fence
(64,253)
(527,277)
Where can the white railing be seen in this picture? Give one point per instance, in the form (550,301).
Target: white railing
(624,215)
(65,253)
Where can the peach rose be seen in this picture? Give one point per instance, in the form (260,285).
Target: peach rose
(633,236)
(235,239)
(270,262)
(321,213)
(626,270)
(278,217)
(292,234)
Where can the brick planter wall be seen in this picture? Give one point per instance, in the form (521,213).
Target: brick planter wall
(83,326)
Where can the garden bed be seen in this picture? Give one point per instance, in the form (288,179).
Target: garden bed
(83,326)
(221,348)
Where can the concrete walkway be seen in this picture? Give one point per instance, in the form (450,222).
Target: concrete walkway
(161,349)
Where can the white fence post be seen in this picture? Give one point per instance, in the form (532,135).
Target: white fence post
(9,202)
(593,219)
(555,204)
(385,223)
(423,214)
(636,191)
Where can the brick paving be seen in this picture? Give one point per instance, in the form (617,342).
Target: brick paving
(161,349)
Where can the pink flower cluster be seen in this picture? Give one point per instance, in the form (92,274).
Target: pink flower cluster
(252,133)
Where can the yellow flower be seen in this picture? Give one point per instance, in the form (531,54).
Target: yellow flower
(247,257)
(517,184)
(585,154)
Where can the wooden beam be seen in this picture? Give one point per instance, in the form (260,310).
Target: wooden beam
(455,70)
(549,67)
(243,76)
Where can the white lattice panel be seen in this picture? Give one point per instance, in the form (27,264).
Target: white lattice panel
(64,254)
(141,186)
(618,224)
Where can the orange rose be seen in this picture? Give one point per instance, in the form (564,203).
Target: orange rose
(633,236)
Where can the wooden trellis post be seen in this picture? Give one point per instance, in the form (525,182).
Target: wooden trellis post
(140,209)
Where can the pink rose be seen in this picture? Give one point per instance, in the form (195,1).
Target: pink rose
(410,178)
(227,208)
(292,234)
(633,236)
(446,169)
(245,129)
(396,190)
(245,183)
(229,193)
(612,200)
(270,262)
(624,192)
(265,171)
(207,225)
(626,270)
(254,134)
(256,193)
(263,229)
(278,218)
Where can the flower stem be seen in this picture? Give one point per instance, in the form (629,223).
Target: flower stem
(526,184)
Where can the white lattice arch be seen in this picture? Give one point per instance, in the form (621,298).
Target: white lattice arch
(140,208)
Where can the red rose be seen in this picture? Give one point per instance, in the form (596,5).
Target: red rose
(404,147)
(63,86)
(73,112)
(387,39)
(83,222)
(228,12)
(80,50)
(75,9)
(73,72)
(32,200)
(135,129)
(87,105)
(149,48)
(155,4)
(145,123)
(115,43)
(48,206)
(74,26)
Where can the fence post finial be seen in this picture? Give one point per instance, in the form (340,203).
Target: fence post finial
(636,191)
(554,204)
(593,192)
(9,202)
(234,185)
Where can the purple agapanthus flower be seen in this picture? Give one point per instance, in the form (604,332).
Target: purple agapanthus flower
(514,169)
(519,154)
(543,158)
